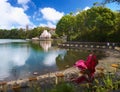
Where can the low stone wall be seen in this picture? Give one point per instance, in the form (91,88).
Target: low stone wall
(66,72)
(89,45)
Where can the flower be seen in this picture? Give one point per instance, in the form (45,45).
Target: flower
(87,68)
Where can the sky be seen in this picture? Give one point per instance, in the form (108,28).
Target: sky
(34,13)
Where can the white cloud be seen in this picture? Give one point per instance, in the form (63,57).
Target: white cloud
(50,14)
(49,24)
(37,16)
(25,7)
(24,3)
(12,16)
(86,8)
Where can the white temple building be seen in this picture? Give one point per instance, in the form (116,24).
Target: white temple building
(45,35)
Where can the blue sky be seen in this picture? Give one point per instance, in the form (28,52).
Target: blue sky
(19,13)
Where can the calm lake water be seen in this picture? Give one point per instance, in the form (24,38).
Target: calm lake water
(21,58)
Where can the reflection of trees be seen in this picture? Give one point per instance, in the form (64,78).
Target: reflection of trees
(35,45)
(72,56)
(69,59)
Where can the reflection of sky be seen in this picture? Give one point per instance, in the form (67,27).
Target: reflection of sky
(50,58)
(11,56)
(9,41)
(40,61)
(25,60)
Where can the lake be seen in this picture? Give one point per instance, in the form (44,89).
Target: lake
(21,58)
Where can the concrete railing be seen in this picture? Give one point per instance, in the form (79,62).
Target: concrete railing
(101,45)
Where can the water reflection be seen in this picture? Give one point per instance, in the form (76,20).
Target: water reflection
(11,57)
(72,56)
(50,58)
(3,41)
(41,61)
(20,60)
(45,45)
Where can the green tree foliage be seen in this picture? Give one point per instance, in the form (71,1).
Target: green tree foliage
(100,21)
(66,26)
(115,33)
(82,30)
(21,33)
(95,24)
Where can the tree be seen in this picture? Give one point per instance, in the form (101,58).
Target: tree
(66,26)
(21,34)
(114,35)
(109,1)
(81,25)
(95,24)
(13,33)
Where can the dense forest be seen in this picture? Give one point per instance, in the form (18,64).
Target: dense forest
(98,24)
(22,33)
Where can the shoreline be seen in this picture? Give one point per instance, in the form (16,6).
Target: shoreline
(67,72)
(70,70)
